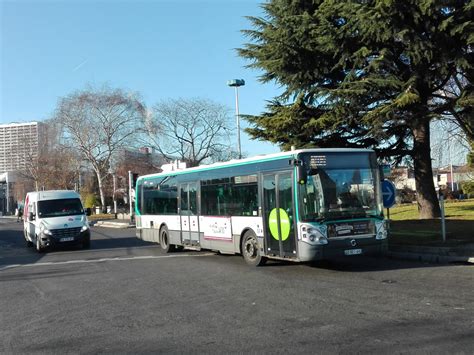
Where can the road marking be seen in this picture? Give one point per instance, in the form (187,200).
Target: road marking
(88,261)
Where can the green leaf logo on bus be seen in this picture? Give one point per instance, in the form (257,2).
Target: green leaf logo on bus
(284,223)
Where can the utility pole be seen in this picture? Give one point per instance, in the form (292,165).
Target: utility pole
(451,164)
(130,187)
(114,179)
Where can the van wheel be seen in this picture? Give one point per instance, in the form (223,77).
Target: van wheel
(39,247)
(251,251)
(165,240)
(28,243)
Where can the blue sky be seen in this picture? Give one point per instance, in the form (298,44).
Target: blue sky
(162,49)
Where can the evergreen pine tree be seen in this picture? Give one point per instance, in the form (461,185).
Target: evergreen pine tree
(363,73)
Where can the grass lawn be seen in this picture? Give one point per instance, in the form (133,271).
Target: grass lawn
(406,228)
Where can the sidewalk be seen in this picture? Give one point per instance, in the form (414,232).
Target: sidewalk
(113,223)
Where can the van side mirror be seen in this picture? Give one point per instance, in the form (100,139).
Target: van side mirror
(301,174)
(31,216)
(88,211)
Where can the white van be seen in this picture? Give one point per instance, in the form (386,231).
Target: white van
(55,218)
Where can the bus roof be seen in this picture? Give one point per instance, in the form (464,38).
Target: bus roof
(255,159)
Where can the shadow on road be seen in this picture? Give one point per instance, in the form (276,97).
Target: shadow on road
(13,245)
(120,243)
(107,239)
(349,265)
(13,250)
(368,264)
(38,274)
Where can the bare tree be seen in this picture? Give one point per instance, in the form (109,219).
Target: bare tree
(458,102)
(193,130)
(98,123)
(449,143)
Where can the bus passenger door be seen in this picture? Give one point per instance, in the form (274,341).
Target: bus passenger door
(278,214)
(188,214)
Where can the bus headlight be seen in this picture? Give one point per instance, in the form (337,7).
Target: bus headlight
(381,230)
(313,235)
(318,239)
(381,234)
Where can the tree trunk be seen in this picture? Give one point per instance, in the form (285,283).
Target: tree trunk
(101,192)
(428,205)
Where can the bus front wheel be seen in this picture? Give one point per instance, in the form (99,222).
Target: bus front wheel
(251,250)
(165,240)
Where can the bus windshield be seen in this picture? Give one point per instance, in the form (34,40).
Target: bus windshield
(59,208)
(334,191)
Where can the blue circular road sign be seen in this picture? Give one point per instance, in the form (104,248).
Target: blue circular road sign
(388,193)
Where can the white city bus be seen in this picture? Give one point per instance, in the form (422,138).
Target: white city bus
(300,205)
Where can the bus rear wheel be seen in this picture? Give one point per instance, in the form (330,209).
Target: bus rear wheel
(165,240)
(251,250)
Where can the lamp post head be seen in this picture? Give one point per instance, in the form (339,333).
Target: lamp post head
(236,82)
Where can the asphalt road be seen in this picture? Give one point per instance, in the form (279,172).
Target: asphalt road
(127,296)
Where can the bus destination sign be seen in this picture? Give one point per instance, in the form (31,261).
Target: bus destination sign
(317,160)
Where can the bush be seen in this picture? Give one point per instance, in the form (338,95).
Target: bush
(468,187)
(90,200)
(405,195)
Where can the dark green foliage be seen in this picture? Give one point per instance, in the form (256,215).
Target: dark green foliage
(468,187)
(371,68)
(470,156)
(363,73)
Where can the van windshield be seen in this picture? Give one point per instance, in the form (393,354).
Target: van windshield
(58,208)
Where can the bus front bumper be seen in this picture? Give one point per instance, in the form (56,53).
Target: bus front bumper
(347,247)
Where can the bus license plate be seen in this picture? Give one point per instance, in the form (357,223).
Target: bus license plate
(353,251)
(68,239)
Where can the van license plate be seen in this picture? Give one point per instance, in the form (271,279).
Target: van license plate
(68,239)
(353,251)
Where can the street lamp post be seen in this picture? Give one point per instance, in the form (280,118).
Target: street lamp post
(236,83)
(114,180)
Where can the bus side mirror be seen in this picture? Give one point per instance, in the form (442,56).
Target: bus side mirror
(88,211)
(301,175)
(31,216)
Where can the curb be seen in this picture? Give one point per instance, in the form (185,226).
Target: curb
(457,250)
(431,258)
(433,254)
(112,224)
